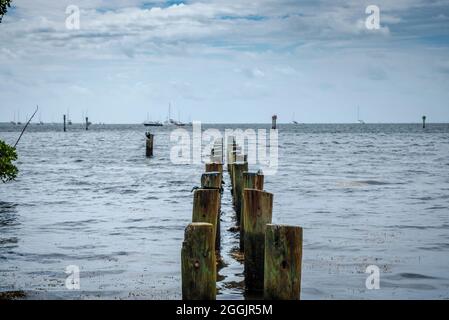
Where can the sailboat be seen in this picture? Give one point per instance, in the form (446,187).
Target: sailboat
(18,118)
(14,122)
(294,121)
(69,122)
(149,123)
(171,122)
(40,120)
(358,116)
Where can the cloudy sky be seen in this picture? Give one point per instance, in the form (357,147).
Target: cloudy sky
(226,60)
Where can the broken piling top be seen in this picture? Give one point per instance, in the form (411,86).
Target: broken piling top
(198,262)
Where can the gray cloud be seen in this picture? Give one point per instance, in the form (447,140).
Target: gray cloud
(264,53)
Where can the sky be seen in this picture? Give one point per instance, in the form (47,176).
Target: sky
(226,61)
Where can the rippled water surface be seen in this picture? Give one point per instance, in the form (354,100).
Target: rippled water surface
(364,194)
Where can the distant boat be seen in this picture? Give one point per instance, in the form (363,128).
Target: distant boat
(40,123)
(14,121)
(294,121)
(152,124)
(358,116)
(149,123)
(171,122)
(18,118)
(69,122)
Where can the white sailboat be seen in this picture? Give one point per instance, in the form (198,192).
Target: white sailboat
(149,123)
(172,122)
(358,116)
(294,121)
(14,121)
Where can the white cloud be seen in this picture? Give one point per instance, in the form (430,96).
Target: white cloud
(262,53)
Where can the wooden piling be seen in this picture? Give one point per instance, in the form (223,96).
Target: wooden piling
(206,208)
(65,126)
(283,258)
(273,122)
(231,150)
(237,186)
(87,123)
(214,167)
(211,180)
(251,180)
(149,148)
(257,214)
(423,122)
(198,263)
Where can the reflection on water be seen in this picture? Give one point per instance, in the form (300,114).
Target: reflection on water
(365,194)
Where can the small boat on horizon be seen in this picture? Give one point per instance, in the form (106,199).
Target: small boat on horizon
(358,116)
(293,119)
(172,122)
(152,124)
(149,123)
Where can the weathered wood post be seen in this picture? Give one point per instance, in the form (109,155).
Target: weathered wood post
(273,122)
(65,126)
(258,213)
(214,167)
(149,148)
(423,122)
(237,186)
(87,123)
(231,150)
(283,258)
(212,181)
(206,208)
(251,180)
(198,263)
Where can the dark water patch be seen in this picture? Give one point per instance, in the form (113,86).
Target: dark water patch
(8,219)
(78,223)
(437,208)
(408,276)
(395,227)
(8,241)
(413,286)
(129,191)
(435,247)
(151,198)
(156,228)
(373,182)
(7,206)
(132,220)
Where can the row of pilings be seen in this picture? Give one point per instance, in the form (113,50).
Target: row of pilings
(272,253)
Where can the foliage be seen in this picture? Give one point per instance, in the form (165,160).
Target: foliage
(4,5)
(8,154)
